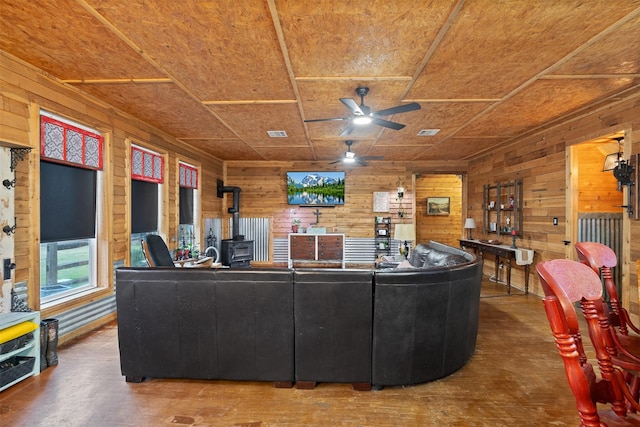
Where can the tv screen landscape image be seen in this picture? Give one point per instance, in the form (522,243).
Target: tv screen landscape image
(315,188)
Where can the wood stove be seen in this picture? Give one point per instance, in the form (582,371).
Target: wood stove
(235,252)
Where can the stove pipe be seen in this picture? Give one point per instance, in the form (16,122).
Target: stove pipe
(234,211)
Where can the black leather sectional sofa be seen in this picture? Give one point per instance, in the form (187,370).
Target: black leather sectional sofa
(369,328)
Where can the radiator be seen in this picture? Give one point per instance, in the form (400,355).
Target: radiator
(605,228)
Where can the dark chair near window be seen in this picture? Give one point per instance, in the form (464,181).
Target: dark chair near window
(565,282)
(156,251)
(601,258)
(157,254)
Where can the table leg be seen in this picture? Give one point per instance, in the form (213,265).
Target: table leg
(526,279)
(509,276)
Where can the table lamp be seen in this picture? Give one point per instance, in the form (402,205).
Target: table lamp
(470,224)
(405,232)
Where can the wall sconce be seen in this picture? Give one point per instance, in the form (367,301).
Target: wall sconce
(623,171)
(8,230)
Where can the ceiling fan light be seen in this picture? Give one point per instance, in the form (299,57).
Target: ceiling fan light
(349,155)
(349,159)
(362,120)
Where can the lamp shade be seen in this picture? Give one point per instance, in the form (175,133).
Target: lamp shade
(469,223)
(610,162)
(404,232)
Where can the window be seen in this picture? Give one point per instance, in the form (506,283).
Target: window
(146,179)
(70,167)
(187,232)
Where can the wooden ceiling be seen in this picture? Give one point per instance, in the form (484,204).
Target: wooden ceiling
(219,74)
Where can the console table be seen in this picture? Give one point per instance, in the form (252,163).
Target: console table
(500,251)
(316,248)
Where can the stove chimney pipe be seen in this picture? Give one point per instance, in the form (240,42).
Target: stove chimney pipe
(234,210)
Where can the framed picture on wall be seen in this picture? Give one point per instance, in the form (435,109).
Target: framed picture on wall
(438,205)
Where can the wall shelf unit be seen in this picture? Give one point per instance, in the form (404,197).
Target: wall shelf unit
(382,233)
(502,208)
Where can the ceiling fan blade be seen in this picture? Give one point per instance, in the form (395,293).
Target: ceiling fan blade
(397,110)
(325,120)
(336,161)
(387,124)
(352,105)
(348,130)
(361,162)
(372,158)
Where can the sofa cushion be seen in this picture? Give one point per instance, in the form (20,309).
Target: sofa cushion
(434,255)
(419,255)
(436,258)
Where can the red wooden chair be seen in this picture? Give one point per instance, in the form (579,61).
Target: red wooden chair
(601,258)
(565,282)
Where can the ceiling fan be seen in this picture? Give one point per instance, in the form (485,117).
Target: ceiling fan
(362,115)
(350,157)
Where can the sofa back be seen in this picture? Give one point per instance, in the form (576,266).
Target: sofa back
(201,323)
(425,322)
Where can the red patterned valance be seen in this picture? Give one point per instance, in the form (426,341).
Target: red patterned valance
(146,165)
(188,176)
(65,143)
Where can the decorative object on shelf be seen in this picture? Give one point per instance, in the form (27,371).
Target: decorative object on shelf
(295,223)
(514,236)
(17,304)
(9,230)
(470,224)
(491,241)
(438,205)
(405,232)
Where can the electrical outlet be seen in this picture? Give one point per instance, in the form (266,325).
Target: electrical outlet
(555,221)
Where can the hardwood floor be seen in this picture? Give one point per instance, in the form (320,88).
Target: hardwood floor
(515,378)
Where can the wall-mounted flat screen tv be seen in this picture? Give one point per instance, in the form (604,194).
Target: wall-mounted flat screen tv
(315,188)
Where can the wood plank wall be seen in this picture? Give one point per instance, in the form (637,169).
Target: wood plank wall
(442,228)
(23,90)
(264,194)
(540,160)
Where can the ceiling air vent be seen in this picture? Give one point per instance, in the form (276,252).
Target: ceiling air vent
(277,133)
(428,132)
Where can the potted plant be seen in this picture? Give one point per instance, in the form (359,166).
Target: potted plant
(295,223)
